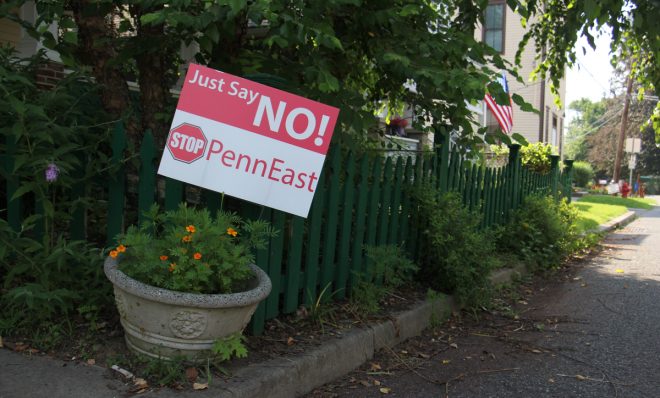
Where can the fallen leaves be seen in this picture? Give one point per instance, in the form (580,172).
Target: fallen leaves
(200,386)
(385,390)
(290,341)
(619,271)
(454,345)
(140,385)
(91,362)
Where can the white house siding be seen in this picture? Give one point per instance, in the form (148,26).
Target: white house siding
(527,123)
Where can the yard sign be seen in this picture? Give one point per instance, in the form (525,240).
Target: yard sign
(248,140)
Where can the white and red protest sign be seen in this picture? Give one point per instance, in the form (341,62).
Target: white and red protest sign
(248,140)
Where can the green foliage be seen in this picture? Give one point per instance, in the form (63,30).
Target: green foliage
(542,232)
(389,269)
(321,311)
(163,372)
(230,347)
(355,55)
(44,284)
(456,256)
(590,116)
(583,174)
(188,250)
(554,28)
(536,157)
(57,128)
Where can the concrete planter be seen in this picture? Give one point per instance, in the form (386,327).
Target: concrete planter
(162,323)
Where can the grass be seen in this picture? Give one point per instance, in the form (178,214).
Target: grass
(631,203)
(598,209)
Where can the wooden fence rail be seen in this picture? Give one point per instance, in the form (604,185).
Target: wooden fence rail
(360,201)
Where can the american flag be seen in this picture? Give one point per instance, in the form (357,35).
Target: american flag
(503,113)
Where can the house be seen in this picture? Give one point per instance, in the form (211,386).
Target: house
(503,31)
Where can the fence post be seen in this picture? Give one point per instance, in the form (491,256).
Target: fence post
(514,175)
(147,175)
(442,152)
(554,173)
(568,180)
(117,184)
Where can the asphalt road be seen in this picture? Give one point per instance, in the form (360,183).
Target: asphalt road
(591,331)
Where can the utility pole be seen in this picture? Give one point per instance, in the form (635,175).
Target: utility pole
(622,133)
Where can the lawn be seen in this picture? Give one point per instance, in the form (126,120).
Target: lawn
(598,209)
(631,203)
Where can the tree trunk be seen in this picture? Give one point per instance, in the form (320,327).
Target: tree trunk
(96,49)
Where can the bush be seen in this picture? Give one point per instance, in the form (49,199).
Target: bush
(542,232)
(389,269)
(455,256)
(43,284)
(536,157)
(583,174)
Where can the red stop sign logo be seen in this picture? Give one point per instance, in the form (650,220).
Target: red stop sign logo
(186,143)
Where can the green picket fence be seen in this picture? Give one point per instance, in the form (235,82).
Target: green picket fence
(360,201)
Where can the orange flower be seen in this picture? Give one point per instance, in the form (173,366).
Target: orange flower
(197,256)
(231,231)
(121,248)
(114,253)
(191,229)
(163,258)
(186,238)
(172,266)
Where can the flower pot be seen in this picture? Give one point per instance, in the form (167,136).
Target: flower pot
(165,324)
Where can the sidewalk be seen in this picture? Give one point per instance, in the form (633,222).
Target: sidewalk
(638,248)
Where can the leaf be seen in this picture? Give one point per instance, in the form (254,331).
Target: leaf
(454,345)
(91,362)
(200,386)
(385,390)
(524,105)
(446,361)
(290,341)
(580,377)
(375,367)
(520,139)
(619,271)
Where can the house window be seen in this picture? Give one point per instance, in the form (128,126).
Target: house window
(494,26)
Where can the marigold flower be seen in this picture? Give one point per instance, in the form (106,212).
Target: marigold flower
(121,248)
(186,238)
(163,258)
(197,256)
(114,253)
(172,266)
(191,229)
(231,231)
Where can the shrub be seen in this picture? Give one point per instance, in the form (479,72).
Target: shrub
(455,256)
(389,269)
(542,231)
(536,157)
(45,282)
(583,174)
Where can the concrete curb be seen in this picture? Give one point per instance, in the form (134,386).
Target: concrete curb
(618,222)
(290,377)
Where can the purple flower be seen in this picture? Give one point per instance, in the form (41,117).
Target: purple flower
(52,171)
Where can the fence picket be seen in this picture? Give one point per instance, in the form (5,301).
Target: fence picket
(345,228)
(360,220)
